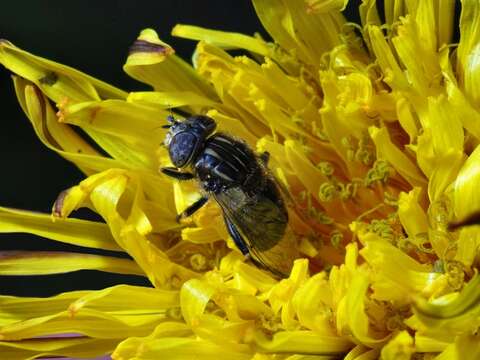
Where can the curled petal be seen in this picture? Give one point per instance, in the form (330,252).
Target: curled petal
(153,62)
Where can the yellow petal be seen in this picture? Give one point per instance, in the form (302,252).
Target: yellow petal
(288,22)
(71,231)
(228,334)
(454,314)
(174,348)
(397,273)
(96,313)
(411,214)
(468,53)
(233,126)
(57,137)
(277,20)
(393,9)
(468,246)
(79,151)
(445,21)
(133,129)
(104,191)
(88,322)
(429,344)
(33,104)
(222,39)
(312,303)
(201,235)
(391,70)
(81,347)
(355,306)
(194,296)
(303,342)
(153,62)
(55,80)
(325,6)
(368,13)
(127,120)
(167,100)
(466,112)
(466,196)
(356,353)
(447,145)
(401,347)
(50,262)
(402,163)
(17,309)
(296,98)
(141,300)
(407,119)
(415,41)
(465,347)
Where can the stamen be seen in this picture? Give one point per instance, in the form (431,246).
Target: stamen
(325,168)
(455,274)
(198,262)
(336,238)
(380,172)
(383,229)
(347,144)
(440,214)
(327,191)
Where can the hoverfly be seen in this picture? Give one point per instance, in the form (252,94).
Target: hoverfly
(228,171)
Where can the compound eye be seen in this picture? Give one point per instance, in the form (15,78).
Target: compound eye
(181,148)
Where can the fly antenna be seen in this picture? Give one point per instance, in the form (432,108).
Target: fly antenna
(170,118)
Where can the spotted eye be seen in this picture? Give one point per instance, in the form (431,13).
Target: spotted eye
(182,147)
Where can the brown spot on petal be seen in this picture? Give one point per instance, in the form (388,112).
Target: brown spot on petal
(93,113)
(58,205)
(50,78)
(473,219)
(145,46)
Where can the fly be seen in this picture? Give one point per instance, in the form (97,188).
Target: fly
(228,171)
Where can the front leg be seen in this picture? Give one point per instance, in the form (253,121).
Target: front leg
(189,211)
(237,238)
(176,174)
(265,157)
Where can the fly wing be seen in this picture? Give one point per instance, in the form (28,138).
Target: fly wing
(262,220)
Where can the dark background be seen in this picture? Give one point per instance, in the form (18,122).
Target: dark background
(92,36)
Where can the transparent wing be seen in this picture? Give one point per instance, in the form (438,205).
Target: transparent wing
(262,219)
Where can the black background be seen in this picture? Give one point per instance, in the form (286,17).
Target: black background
(92,36)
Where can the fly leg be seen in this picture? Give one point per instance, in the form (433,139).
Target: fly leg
(265,157)
(176,174)
(237,238)
(189,211)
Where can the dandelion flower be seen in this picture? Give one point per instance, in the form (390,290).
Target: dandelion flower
(373,129)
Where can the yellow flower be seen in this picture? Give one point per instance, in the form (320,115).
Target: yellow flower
(373,129)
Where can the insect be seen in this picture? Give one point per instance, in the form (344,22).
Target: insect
(228,171)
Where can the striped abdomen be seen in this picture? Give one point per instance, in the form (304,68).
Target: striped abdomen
(225,162)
